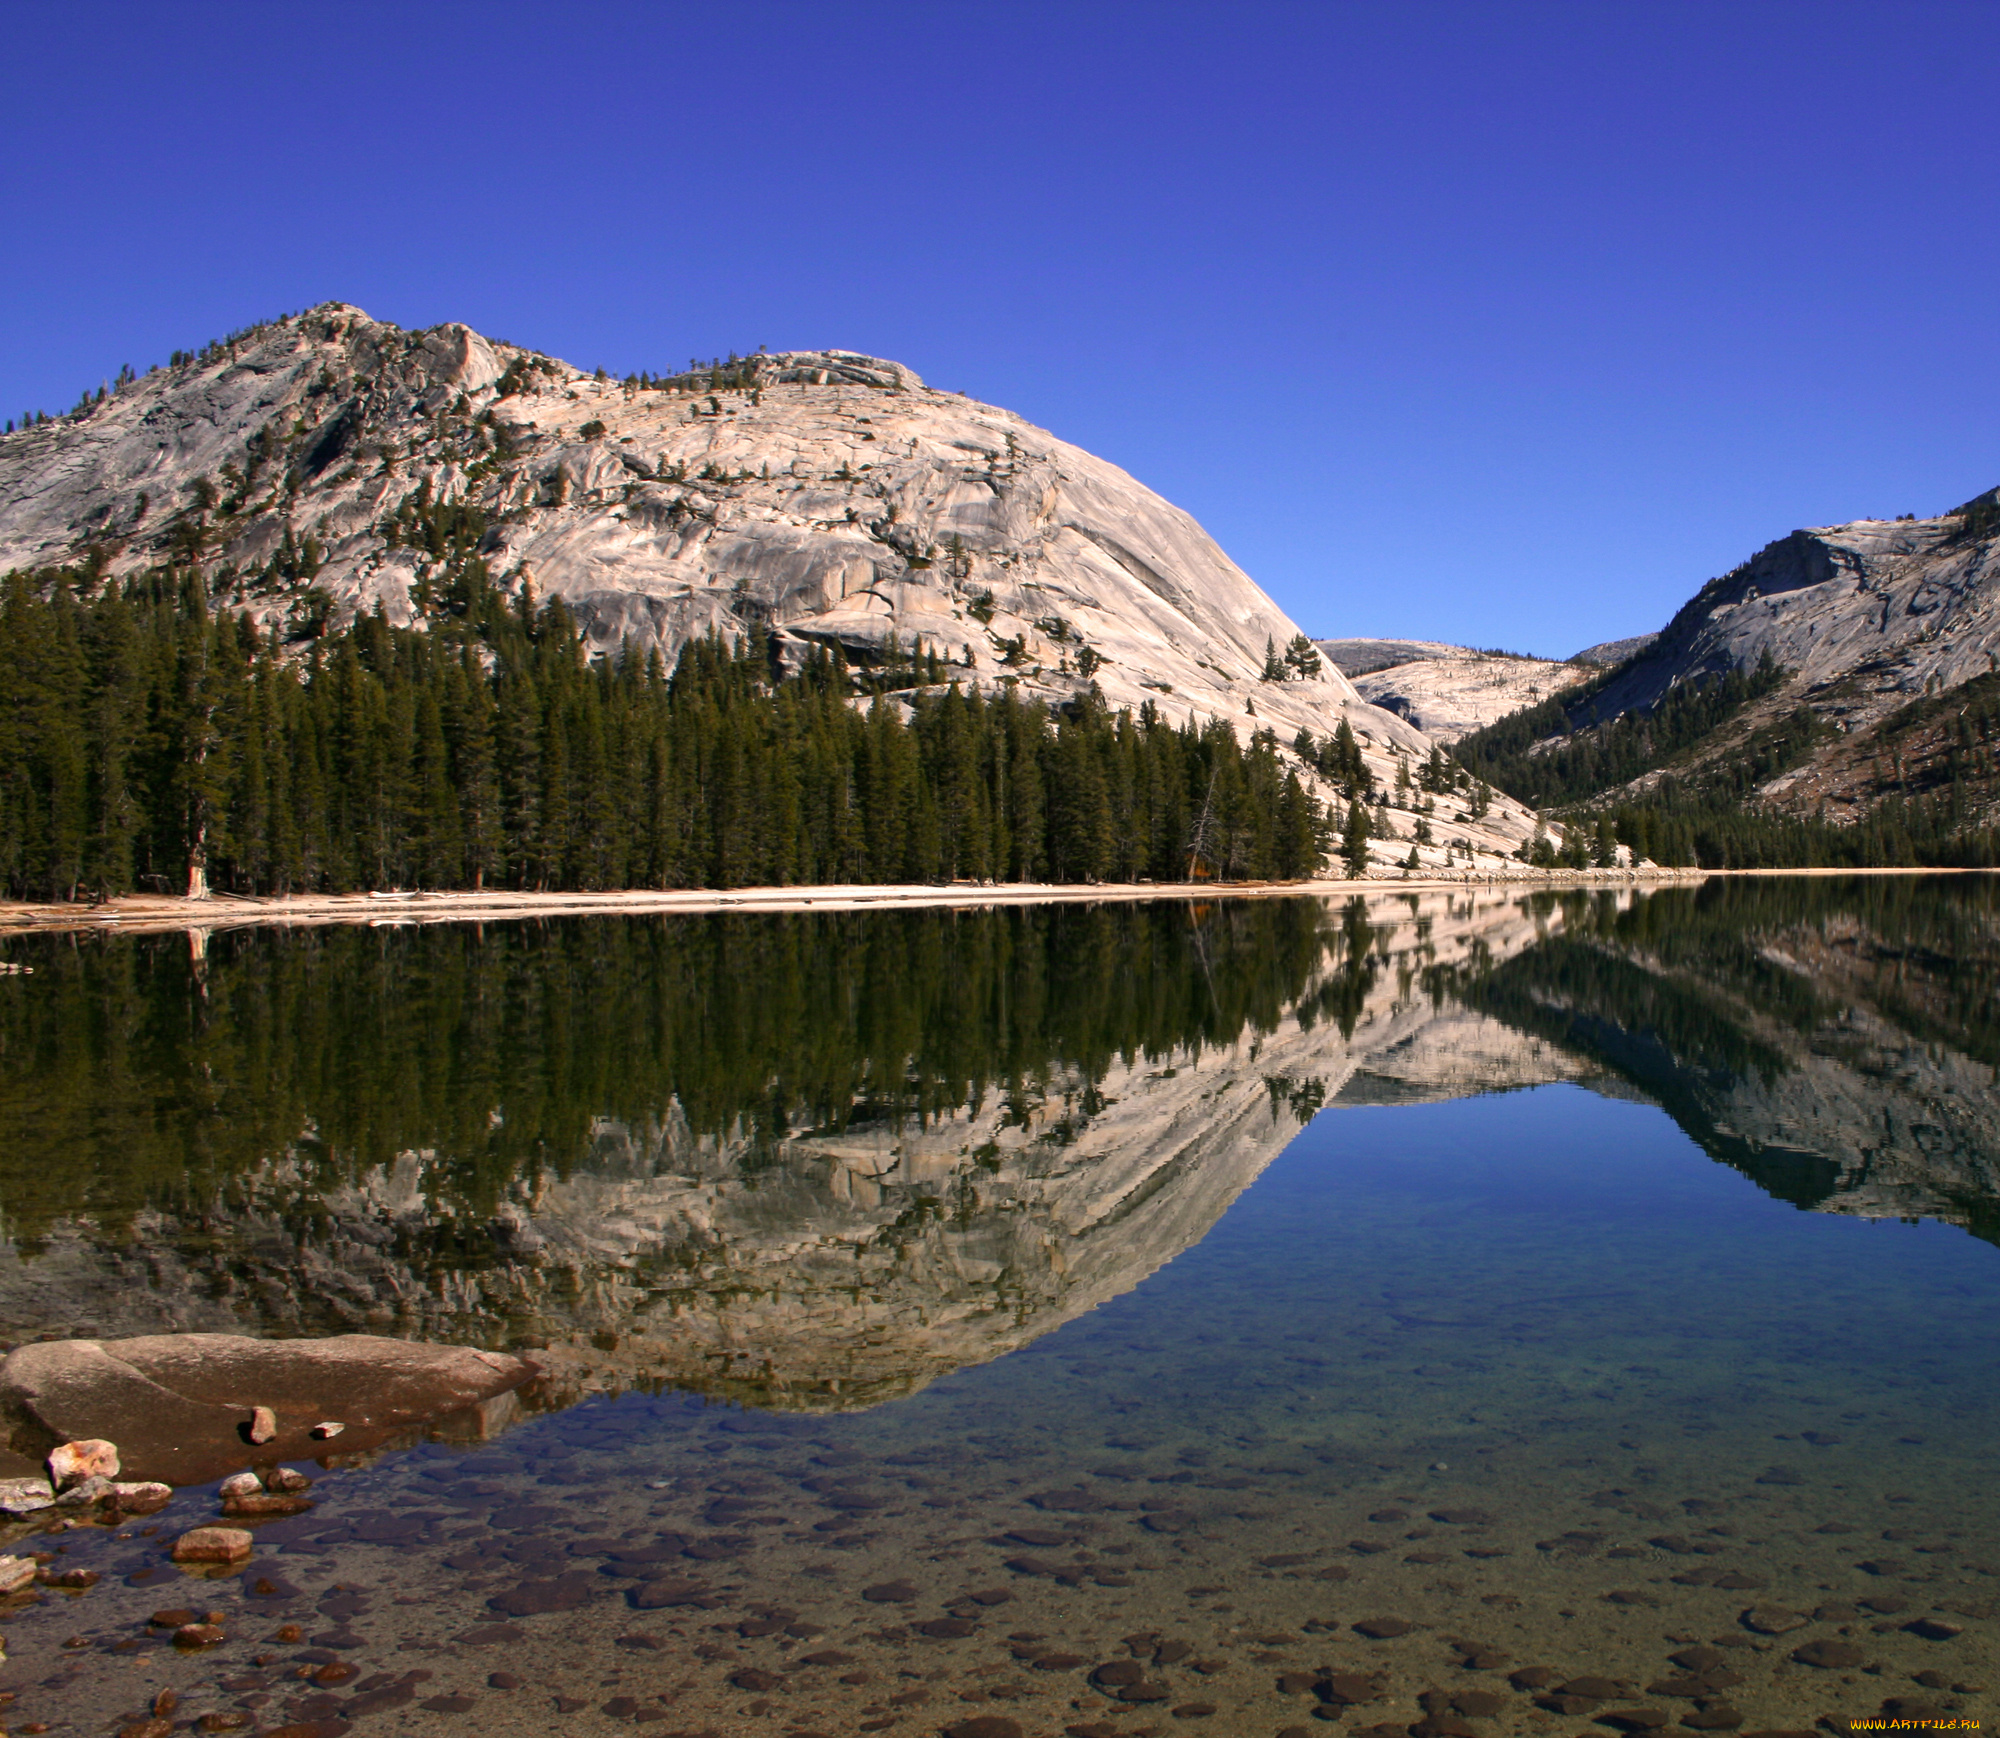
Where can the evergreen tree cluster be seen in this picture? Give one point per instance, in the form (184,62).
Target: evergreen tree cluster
(151,742)
(1601,757)
(1679,828)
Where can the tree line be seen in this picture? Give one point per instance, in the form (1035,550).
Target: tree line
(150,741)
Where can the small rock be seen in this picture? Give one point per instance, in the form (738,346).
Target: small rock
(73,1462)
(145,1497)
(327,1429)
(16,1573)
(533,1598)
(262,1426)
(86,1493)
(1829,1656)
(1382,1628)
(264,1505)
(898,1592)
(242,1484)
(1145,1692)
(20,1498)
(1934,1629)
(192,1637)
(1347,1689)
(1635,1719)
(985,1726)
(76,1580)
(1773,1619)
(213,1545)
(285,1481)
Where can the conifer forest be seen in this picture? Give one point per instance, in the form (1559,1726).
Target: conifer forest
(151,742)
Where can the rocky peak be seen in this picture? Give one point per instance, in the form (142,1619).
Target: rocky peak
(328,464)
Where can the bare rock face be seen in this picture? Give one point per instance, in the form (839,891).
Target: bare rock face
(1863,618)
(1607,653)
(1447,691)
(829,498)
(177,1405)
(1915,601)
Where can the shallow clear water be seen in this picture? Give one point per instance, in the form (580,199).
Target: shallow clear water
(1517,1373)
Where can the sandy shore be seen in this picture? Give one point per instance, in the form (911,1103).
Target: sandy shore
(153,913)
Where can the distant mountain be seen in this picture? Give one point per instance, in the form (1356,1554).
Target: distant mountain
(1843,677)
(328,464)
(1445,690)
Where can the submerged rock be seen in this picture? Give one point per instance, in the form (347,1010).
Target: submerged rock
(175,1402)
(212,1545)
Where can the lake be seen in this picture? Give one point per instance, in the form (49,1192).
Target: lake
(1454,1314)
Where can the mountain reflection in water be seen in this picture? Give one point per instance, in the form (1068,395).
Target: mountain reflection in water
(814,1161)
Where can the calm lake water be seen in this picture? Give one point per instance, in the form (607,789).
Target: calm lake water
(1476,1314)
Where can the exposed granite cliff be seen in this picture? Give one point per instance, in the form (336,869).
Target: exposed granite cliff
(1864,620)
(1447,691)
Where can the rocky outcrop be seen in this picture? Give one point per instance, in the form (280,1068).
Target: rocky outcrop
(1447,691)
(1862,619)
(331,461)
(1886,608)
(182,1408)
(1607,653)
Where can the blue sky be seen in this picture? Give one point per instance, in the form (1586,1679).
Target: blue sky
(1508,324)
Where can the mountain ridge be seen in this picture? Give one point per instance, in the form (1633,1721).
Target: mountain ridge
(1845,680)
(328,465)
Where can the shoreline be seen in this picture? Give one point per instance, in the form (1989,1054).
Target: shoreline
(155,913)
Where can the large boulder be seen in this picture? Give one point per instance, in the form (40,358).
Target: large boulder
(179,1405)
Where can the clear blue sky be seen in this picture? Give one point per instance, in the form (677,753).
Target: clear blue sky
(1500,323)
